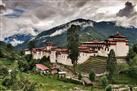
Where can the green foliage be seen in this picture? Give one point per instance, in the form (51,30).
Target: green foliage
(3,71)
(15,82)
(108,88)
(73,44)
(132,72)
(111,64)
(79,76)
(1,54)
(7,82)
(132,56)
(45,61)
(26,85)
(10,47)
(28,57)
(23,65)
(92,75)
(27,63)
(104,81)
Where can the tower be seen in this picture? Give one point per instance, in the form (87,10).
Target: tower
(119,44)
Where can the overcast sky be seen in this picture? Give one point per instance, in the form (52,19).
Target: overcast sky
(45,14)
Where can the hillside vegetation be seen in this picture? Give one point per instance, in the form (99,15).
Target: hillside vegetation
(97,64)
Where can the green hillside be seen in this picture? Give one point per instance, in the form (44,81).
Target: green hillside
(97,64)
(29,80)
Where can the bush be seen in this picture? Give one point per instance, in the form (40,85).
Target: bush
(23,66)
(104,81)
(79,76)
(3,71)
(108,88)
(7,82)
(92,75)
(132,72)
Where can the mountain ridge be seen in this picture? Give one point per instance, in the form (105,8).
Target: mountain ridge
(89,30)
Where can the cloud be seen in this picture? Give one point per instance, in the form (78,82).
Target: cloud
(45,14)
(127,11)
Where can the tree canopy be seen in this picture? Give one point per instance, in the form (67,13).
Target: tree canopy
(111,64)
(73,43)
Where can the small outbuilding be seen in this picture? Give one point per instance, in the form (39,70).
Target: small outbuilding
(42,69)
(62,74)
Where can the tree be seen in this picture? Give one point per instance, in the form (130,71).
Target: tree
(7,82)
(1,54)
(3,71)
(108,88)
(31,45)
(104,81)
(23,65)
(79,76)
(73,44)
(132,56)
(92,75)
(28,57)
(10,47)
(111,64)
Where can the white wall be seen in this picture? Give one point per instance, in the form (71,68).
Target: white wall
(121,49)
(40,54)
(53,57)
(27,52)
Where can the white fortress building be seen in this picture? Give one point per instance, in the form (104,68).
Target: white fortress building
(117,42)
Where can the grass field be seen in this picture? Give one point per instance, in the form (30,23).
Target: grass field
(45,83)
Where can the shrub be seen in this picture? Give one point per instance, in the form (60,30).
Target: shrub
(23,65)
(132,72)
(79,76)
(104,81)
(3,71)
(7,82)
(92,75)
(108,88)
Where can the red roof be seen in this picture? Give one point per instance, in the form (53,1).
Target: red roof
(94,42)
(41,67)
(117,35)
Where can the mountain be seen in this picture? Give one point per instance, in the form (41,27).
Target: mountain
(17,39)
(89,30)
(58,34)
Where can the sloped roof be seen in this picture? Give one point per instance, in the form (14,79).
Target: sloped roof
(41,67)
(118,35)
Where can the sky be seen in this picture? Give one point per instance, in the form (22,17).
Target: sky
(45,14)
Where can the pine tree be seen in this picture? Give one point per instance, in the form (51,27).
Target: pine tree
(111,64)
(73,44)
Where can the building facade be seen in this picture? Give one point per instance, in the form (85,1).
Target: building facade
(117,42)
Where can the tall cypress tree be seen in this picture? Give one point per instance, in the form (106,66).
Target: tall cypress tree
(111,64)
(73,44)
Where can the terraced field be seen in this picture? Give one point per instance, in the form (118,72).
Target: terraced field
(97,64)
